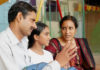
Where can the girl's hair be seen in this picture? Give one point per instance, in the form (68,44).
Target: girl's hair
(40,27)
(68,17)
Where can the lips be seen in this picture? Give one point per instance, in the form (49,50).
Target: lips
(48,41)
(67,36)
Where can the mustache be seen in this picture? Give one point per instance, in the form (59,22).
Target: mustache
(31,28)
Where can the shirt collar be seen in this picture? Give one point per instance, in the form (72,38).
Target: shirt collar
(13,38)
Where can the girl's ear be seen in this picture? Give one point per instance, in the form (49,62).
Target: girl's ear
(36,37)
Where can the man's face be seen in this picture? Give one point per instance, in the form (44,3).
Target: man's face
(28,23)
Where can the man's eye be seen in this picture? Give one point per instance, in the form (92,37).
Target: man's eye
(33,20)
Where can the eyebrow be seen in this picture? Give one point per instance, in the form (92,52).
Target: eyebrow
(32,19)
(63,27)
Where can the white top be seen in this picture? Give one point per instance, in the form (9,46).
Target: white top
(36,58)
(13,53)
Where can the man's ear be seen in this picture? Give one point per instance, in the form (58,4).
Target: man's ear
(19,16)
(36,37)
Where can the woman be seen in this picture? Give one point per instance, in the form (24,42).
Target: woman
(39,37)
(84,59)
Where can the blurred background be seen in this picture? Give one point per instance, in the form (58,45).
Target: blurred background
(87,13)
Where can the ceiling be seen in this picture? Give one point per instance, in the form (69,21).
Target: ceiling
(93,2)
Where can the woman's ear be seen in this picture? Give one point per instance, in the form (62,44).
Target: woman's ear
(36,37)
(75,31)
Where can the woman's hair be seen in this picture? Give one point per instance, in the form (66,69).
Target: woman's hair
(68,17)
(40,27)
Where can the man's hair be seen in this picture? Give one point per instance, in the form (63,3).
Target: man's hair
(19,6)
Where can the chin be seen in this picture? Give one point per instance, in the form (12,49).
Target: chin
(68,39)
(47,45)
(28,34)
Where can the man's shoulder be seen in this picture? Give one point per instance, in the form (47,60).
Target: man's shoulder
(4,43)
(3,37)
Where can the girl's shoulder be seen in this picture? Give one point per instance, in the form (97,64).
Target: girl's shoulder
(47,52)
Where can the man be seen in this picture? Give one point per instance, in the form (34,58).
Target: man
(13,41)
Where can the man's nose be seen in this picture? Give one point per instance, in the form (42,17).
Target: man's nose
(34,25)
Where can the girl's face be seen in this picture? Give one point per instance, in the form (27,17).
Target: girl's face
(68,30)
(44,37)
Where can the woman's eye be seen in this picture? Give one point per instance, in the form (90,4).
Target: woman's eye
(64,28)
(70,28)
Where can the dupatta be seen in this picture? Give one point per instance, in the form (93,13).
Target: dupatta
(88,60)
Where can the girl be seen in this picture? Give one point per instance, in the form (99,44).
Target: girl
(39,37)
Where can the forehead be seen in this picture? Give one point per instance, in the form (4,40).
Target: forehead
(46,29)
(31,14)
(68,23)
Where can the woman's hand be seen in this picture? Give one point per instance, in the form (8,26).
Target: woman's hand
(65,56)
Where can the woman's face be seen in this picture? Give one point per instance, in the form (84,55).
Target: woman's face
(68,30)
(44,37)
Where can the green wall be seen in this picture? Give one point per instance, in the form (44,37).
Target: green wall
(95,38)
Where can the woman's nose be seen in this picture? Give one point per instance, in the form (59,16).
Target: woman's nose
(67,30)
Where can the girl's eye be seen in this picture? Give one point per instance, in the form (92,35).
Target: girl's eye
(47,33)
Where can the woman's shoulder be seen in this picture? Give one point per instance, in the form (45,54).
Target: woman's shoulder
(80,38)
(56,40)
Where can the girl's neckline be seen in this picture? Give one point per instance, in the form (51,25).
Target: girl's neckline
(37,52)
